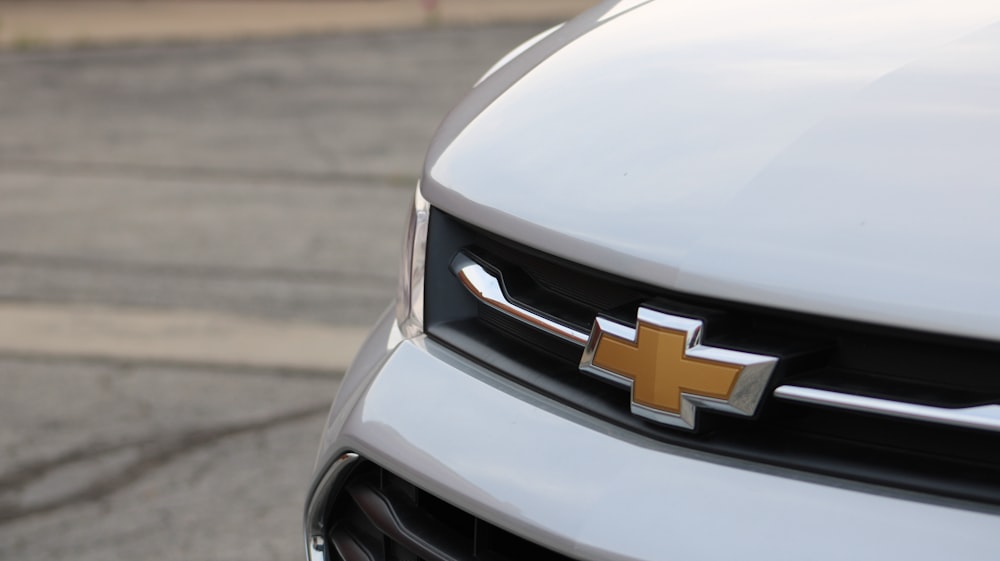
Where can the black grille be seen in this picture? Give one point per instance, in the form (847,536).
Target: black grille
(379,516)
(815,352)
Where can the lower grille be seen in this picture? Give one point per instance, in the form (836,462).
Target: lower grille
(378,516)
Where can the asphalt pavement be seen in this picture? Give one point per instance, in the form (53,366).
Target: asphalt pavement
(193,239)
(41,24)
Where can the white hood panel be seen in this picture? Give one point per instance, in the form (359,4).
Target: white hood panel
(839,158)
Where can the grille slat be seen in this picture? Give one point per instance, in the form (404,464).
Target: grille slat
(397,519)
(379,516)
(349,547)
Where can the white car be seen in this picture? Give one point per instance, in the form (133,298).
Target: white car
(694,279)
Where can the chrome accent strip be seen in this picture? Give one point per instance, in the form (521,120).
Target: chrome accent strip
(317,548)
(410,298)
(983,417)
(489,290)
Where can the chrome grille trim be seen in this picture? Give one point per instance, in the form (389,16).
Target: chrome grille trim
(317,549)
(489,290)
(983,417)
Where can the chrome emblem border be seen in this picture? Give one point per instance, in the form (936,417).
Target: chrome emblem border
(747,390)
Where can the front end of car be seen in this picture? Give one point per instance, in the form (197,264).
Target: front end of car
(653,309)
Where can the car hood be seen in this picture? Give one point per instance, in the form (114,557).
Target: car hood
(833,157)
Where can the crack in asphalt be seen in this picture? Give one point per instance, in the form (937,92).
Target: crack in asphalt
(153,452)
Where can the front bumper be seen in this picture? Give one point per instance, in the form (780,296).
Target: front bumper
(591,490)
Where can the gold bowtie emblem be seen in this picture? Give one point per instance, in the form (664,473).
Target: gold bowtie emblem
(670,372)
(659,371)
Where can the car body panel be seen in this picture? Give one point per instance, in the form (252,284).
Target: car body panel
(836,158)
(592,490)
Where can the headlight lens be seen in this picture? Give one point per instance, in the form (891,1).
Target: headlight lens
(410,300)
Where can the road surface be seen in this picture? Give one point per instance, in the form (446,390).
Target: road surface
(193,239)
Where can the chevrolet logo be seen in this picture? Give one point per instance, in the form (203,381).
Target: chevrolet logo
(671,374)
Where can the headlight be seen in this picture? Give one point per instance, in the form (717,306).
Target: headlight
(410,300)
